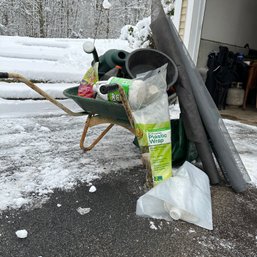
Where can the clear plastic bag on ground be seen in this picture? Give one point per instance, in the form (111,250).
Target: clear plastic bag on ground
(184,196)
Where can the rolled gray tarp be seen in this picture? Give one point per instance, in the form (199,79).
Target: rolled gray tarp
(168,41)
(189,112)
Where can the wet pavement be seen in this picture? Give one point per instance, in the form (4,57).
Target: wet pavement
(112,228)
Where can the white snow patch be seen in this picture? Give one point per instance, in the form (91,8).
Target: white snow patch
(226,244)
(18,128)
(92,189)
(51,59)
(106,4)
(22,91)
(152,225)
(245,140)
(23,233)
(44,129)
(83,211)
(160,225)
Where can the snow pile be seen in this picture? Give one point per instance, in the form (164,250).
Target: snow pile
(139,35)
(245,140)
(54,60)
(20,108)
(22,91)
(106,4)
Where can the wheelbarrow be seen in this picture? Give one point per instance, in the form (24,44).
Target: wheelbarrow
(97,111)
(103,112)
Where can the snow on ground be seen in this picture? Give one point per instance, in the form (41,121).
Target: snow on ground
(22,91)
(39,150)
(245,140)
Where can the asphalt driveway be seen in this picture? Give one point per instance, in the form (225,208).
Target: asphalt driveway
(112,228)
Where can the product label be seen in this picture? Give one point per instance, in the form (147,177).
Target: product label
(124,83)
(161,165)
(151,133)
(158,137)
(159,141)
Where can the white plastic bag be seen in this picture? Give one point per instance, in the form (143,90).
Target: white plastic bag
(184,196)
(149,103)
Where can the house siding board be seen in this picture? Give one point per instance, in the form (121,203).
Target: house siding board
(183,18)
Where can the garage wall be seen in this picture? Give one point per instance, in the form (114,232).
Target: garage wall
(230,22)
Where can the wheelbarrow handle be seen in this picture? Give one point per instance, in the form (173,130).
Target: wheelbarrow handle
(4,75)
(108,88)
(105,89)
(20,78)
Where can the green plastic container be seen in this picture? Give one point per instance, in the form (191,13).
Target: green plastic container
(110,59)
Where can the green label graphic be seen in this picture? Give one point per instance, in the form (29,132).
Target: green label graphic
(157,137)
(124,83)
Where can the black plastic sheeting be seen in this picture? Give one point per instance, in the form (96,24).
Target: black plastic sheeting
(199,112)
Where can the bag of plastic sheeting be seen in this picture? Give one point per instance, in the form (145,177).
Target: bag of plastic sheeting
(149,103)
(184,196)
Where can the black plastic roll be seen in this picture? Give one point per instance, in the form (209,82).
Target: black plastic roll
(4,75)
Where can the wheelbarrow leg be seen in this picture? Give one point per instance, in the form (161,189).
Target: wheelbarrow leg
(94,120)
(89,123)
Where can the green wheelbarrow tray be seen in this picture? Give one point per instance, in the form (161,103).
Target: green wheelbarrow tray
(100,107)
(102,112)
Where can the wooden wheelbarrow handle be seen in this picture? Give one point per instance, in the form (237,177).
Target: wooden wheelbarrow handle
(20,78)
(125,103)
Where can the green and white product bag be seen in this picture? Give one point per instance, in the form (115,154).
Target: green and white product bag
(124,83)
(149,103)
(115,95)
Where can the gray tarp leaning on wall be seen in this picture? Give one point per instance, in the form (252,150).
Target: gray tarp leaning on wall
(194,97)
